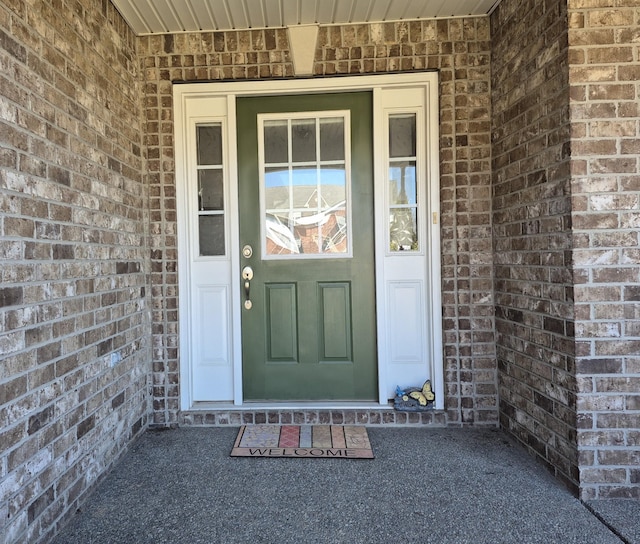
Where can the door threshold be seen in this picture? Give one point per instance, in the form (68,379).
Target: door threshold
(212,414)
(291,405)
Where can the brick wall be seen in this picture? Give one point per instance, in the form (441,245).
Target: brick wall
(532,226)
(74,326)
(604,72)
(459,48)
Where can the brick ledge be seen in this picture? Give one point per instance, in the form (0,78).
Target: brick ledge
(311,416)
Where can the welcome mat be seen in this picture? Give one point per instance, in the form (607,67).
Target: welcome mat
(310,441)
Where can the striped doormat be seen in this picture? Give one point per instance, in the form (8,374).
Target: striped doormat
(308,441)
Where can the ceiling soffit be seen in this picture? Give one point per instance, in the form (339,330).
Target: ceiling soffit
(171,16)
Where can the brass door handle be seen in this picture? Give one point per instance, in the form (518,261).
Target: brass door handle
(247,276)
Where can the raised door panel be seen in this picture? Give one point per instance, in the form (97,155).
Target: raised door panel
(406,337)
(211,342)
(406,342)
(335,319)
(282,323)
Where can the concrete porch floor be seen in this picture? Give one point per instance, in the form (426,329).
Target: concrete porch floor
(426,485)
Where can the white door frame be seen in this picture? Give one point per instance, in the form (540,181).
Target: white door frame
(406,282)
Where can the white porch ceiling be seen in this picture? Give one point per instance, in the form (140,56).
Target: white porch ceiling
(167,16)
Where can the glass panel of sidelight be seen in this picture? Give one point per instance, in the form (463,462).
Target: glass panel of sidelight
(276,141)
(303,140)
(402,135)
(402,183)
(210,179)
(209,144)
(403,229)
(211,235)
(210,190)
(403,187)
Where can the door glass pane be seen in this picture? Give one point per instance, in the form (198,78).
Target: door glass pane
(402,182)
(332,139)
(209,144)
(276,191)
(304,180)
(279,233)
(305,205)
(276,138)
(402,135)
(306,231)
(211,235)
(333,185)
(333,230)
(303,140)
(210,190)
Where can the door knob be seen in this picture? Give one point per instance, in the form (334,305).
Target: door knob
(247,276)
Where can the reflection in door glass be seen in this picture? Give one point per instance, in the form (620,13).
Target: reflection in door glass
(303,140)
(276,146)
(302,177)
(333,184)
(277,179)
(305,195)
(210,176)
(332,139)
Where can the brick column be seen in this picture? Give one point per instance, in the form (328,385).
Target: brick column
(605,125)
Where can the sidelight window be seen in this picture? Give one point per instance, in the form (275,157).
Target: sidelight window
(210,172)
(403,187)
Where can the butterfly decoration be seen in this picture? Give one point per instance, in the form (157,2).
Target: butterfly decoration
(414,396)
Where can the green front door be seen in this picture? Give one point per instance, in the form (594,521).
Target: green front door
(306,230)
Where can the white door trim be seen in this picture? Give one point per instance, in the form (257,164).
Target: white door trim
(393,271)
